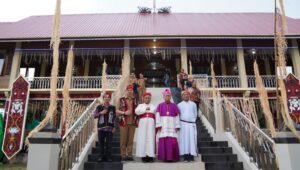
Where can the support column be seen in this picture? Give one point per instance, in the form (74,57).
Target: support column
(126,59)
(184,60)
(16,63)
(223,66)
(43,69)
(86,67)
(241,64)
(71,46)
(295,55)
(267,66)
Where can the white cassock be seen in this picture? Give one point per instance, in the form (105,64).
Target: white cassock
(188,130)
(145,144)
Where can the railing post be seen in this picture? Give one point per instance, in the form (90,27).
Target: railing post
(44,151)
(218,113)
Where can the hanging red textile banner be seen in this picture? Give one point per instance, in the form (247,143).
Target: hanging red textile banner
(293,97)
(16,117)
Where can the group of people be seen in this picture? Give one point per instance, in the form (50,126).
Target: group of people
(168,130)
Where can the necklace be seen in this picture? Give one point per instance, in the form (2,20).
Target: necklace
(168,109)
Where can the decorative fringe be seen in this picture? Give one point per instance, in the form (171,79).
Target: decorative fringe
(263,96)
(66,89)
(55,41)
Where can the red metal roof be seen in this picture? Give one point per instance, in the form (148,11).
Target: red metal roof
(142,25)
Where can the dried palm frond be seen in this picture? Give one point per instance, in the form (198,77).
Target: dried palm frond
(55,41)
(263,96)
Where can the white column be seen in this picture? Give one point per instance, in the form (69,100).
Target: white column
(295,58)
(267,67)
(223,66)
(16,63)
(126,59)
(184,60)
(241,64)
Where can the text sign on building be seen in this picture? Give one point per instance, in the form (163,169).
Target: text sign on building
(293,97)
(16,117)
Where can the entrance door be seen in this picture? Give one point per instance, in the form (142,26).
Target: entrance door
(155,68)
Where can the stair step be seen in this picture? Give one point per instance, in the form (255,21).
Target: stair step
(215,150)
(212,144)
(202,130)
(219,157)
(205,139)
(103,166)
(224,166)
(203,135)
(95,157)
(114,144)
(114,150)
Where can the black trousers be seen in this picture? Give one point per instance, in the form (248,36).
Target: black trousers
(105,142)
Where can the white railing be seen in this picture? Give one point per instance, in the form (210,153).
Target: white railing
(112,81)
(268,80)
(82,82)
(93,82)
(225,81)
(44,82)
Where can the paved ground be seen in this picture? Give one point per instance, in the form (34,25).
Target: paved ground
(13,167)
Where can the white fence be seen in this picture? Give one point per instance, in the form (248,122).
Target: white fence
(83,82)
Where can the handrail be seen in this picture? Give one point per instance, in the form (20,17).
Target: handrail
(256,143)
(76,137)
(251,123)
(80,118)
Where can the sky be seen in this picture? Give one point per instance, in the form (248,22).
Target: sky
(14,10)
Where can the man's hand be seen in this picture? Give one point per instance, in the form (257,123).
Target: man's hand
(113,130)
(103,112)
(127,112)
(157,129)
(177,130)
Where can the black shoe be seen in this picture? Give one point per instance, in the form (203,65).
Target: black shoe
(150,159)
(100,159)
(191,158)
(185,158)
(129,158)
(144,160)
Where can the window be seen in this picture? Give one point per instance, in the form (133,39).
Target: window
(28,72)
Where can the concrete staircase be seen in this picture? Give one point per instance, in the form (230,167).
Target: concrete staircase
(92,163)
(216,154)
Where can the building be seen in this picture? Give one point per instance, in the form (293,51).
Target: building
(152,43)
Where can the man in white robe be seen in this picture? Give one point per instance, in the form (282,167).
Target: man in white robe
(145,145)
(188,131)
